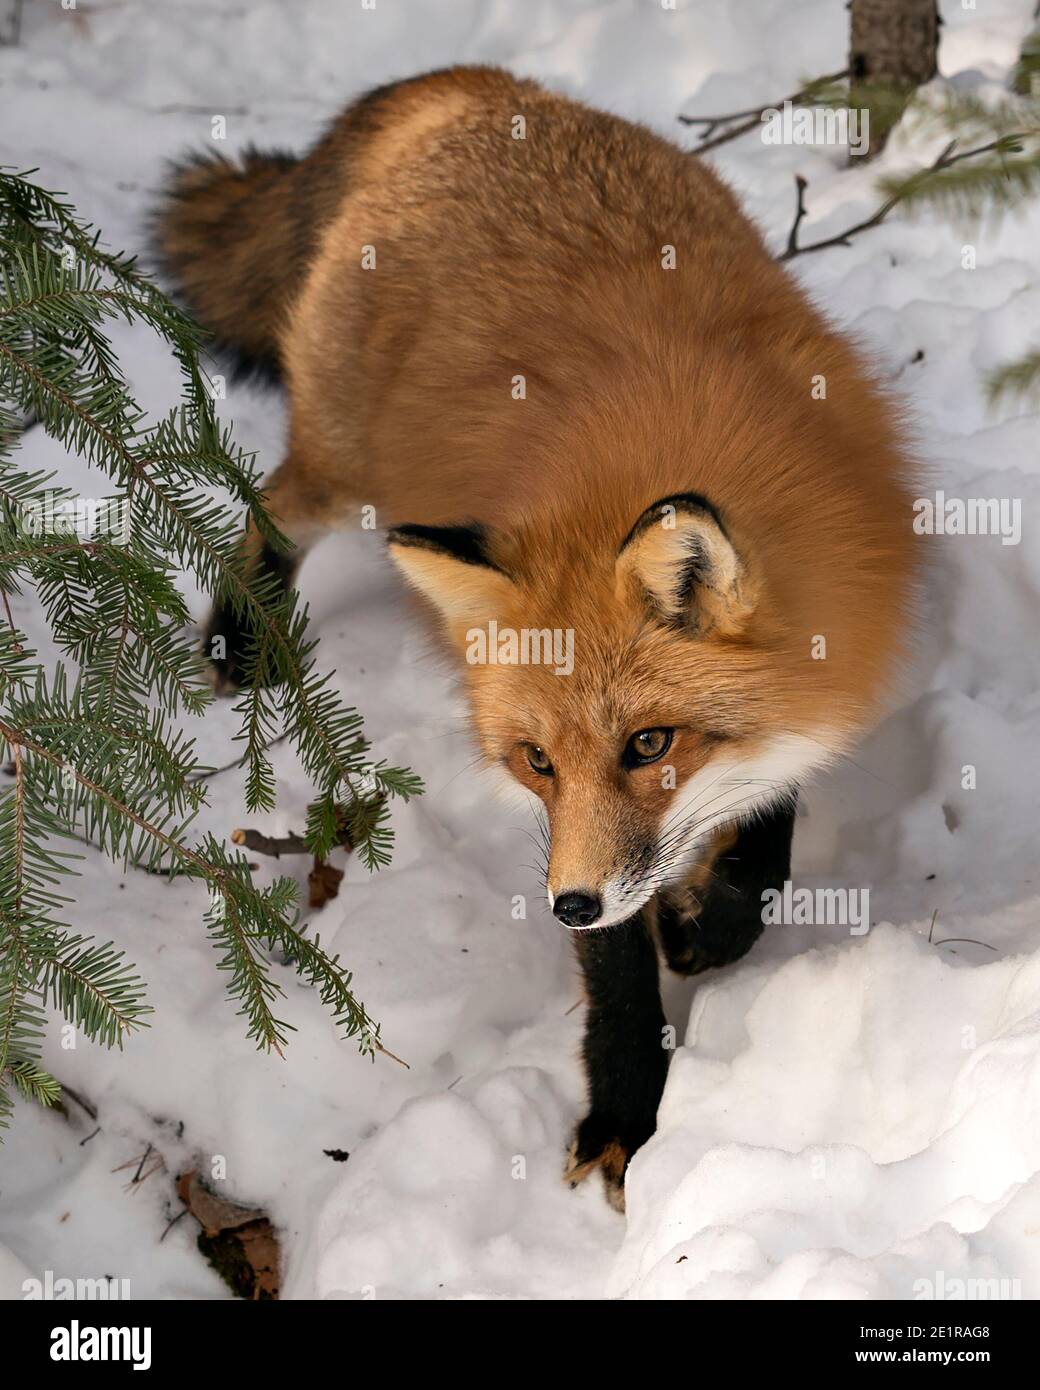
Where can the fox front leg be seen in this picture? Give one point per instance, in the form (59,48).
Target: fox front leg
(625,1056)
(715,916)
(301,508)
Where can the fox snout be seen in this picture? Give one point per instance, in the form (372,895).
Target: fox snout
(600,867)
(578,909)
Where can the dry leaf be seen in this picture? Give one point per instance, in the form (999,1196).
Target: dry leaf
(323,882)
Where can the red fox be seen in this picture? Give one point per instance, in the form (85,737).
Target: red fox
(552,353)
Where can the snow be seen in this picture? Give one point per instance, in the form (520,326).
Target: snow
(821,1160)
(846,1117)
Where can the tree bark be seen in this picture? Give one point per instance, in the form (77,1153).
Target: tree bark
(893,45)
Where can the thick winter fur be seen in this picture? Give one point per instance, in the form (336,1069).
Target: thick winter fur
(665,484)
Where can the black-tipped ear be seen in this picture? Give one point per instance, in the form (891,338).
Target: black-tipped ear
(451,567)
(466,543)
(679,557)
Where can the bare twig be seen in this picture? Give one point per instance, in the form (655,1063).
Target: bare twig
(171,1223)
(205,773)
(87,1106)
(945,160)
(144,1160)
(947,940)
(140,1176)
(792,241)
(950,940)
(743,121)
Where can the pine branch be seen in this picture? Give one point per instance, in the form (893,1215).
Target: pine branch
(992,185)
(1025,80)
(97,754)
(35,1083)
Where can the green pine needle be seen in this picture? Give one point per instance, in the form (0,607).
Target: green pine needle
(1015,380)
(97,744)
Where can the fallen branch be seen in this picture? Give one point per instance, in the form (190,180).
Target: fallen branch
(324,878)
(747,120)
(274,845)
(277,845)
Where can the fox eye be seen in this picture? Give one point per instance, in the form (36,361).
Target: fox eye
(647,746)
(539,760)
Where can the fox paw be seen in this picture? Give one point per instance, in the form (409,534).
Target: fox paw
(597,1146)
(225,643)
(694,959)
(224,640)
(693,943)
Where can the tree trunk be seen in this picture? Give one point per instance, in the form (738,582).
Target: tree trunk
(892,50)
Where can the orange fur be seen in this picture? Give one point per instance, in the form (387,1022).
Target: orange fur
(542,257)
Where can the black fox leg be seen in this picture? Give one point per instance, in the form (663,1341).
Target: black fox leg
(717,916)
(299,504)
(227,635)
(626,1059)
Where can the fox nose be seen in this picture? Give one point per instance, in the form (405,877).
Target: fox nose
(577,909)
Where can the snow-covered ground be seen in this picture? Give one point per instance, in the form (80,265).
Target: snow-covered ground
(849,1115)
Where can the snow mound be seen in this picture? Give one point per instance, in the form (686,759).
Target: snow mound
(863,1122)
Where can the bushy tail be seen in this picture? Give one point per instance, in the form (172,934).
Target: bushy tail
(233,245)
(234,238)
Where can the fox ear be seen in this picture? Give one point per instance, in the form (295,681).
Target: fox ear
(451,568)
(679,557)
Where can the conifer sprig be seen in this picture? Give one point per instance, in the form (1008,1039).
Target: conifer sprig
(96,743)
(1006,134)
(989,166)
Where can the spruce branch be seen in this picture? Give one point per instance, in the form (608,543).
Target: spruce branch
(994,184)
(97,747)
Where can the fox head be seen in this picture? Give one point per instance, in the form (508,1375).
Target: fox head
(634,684)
